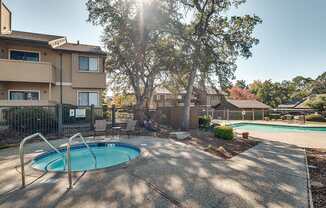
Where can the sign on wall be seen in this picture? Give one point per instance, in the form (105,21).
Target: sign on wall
(80,113)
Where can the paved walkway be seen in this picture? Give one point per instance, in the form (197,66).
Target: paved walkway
(169,174)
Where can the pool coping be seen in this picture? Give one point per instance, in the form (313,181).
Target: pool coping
(79,145)
(274,124)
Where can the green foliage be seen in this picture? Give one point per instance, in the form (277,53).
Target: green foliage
(317,102)
(32,120)
(224,132)
(274,116)
(241,84)
(204,121)
(315,118)
(285,92)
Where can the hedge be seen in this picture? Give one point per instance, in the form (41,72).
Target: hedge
(224,132)
(32,120)
(204,121)
(315,117)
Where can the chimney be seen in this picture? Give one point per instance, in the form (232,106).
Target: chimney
(77,42)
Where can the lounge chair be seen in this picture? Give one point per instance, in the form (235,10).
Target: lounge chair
(130,128)
(100,126)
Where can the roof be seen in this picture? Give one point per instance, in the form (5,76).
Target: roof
(248,104)
(304,104)
(46,39)
(80,48)
(19,35)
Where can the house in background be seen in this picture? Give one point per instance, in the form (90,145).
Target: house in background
(32,64)
(164,98)
(242,105)
(241,110)
(300,107)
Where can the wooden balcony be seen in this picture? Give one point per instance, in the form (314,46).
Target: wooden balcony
(25,71)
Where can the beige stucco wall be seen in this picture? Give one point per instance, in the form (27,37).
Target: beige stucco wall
(92,80)
(69,94)
(73,80)
(42,88)
(5,19)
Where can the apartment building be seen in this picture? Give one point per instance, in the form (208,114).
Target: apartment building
(42,69)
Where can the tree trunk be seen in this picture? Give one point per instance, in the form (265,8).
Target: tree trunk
(190,87)
(187,101)
(140,111)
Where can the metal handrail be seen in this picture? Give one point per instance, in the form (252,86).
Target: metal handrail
(69,155)
(21,153)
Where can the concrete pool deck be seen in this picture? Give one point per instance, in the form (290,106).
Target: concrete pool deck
(169,174)
(300,139)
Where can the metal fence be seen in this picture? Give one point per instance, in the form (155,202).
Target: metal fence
(18,122)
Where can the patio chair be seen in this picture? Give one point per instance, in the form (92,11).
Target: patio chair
(100,126)
(130,128)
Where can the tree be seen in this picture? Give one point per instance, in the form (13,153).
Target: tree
(241,84)
(138,42)
(214,41)
(318,102)
(238,93)
(319,85)
(104,102)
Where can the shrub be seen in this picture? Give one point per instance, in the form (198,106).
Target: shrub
(224,132)
(274,116)
(315,117)
(204,122)
(32,120)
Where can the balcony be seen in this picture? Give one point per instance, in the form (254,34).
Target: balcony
(8,103)
(24,71)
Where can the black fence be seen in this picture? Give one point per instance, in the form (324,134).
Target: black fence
(17,122)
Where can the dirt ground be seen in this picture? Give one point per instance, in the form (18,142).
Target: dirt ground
(226,149)
(317,170)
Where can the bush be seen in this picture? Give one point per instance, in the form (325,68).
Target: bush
(204,122)
(224,132)
(274,116)
(32,120)
(315,117)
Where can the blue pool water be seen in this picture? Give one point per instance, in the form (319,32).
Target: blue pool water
(107,155)
(277,128)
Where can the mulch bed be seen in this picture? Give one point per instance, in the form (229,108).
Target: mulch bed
(226,149)
(317,170)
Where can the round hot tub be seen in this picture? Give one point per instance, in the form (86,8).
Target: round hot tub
(107,154)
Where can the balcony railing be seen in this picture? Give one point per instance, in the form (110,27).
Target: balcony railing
(25,71)
(4,103)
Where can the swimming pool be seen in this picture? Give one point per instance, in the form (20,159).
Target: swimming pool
(277,128)
(108,154)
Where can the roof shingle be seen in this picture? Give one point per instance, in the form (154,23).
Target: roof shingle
(248,104)
(19,35)
(80,48)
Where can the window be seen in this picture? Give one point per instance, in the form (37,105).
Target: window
(24,55)
(24,95)
(88,98)
(88,64)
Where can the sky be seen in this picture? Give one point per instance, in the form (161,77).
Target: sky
(292,35)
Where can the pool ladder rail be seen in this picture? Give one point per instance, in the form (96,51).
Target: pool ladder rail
(68,163)
(21,153)
(78,135)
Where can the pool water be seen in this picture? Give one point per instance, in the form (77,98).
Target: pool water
(107,155)
(277,128)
